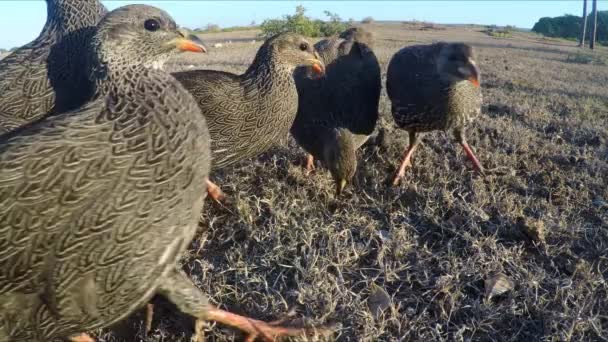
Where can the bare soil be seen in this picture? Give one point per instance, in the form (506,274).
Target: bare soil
(433,244)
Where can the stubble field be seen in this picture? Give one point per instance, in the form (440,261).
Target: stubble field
(427,251)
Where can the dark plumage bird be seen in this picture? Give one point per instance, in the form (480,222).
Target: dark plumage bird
(434,87)
(97,204)
(249,113)
(47,75)
(337,113)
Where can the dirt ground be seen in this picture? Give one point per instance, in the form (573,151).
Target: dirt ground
(428,251)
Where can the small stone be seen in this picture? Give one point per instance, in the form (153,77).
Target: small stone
(497,284)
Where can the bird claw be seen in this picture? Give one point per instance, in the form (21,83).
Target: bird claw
(310,164)
(82,338)
(253,328)
(215,192)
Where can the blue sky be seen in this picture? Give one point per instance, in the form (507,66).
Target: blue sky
(21,20)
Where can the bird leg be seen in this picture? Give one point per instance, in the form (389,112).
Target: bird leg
(215,192)
(407,156)
(459,134)
(82,338)
(189,299)
(310,164)
(149,316)
(471,156)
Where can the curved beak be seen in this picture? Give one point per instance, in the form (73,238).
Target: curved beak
(317,66)
(340,185)
(187,41)
(474,78)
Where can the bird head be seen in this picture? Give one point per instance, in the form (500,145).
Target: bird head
(359,35)
(141,35)
(295,51)
(340,157)
(456,62)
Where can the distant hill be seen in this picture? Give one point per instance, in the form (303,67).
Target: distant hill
(570,26)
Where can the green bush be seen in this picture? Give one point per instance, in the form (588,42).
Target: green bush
(301,24)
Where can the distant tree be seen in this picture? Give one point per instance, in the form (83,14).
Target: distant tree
(594,29)
(301,24)
(333,26)
(584,24)
(212,28)
(571,26)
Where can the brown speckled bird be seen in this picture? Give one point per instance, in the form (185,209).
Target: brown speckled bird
(434,87)
(47,75)
(97,204)
(338,112)
(249,113)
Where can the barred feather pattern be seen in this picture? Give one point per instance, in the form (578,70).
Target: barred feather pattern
(98,204)
(249,113)
(421,99)
(47,75)
(344,102)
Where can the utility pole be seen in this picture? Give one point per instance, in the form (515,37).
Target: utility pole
(594,32)
(584,31)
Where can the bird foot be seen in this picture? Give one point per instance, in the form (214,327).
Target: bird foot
(268,332)
(82,338)
(310,164)
(149,316)
(215,192)
(400,174)
(476,164)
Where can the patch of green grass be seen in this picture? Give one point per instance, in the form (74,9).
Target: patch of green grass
(587,58)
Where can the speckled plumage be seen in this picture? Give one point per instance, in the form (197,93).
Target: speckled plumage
(98,203)
(337,113)
(249,113)
(422,98)
(434,87)
(46,75)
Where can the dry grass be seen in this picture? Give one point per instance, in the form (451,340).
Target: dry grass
(541,217)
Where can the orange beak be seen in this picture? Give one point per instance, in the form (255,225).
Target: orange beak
(474,80)
(188,42)
(191,44)
(318,68)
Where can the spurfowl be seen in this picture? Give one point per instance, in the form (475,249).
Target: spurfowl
(249,113)
(434,87)
(337,113)
(97,204)
(48,74)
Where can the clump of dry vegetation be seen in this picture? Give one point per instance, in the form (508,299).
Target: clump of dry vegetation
(496,32)
(367,20)
(587,58)
(517,255)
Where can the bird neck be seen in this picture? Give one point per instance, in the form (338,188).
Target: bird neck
(108,80)
(65,16)
(266,72)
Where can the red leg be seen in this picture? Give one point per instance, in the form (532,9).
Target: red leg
(471,156)
(254,328)
(82,338)
(214,191)
(406,160)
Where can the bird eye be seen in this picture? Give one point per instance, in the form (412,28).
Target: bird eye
(304,46)
(152,25)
